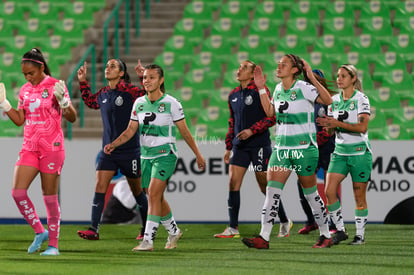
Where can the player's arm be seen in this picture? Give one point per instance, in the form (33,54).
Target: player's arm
(260,81)
(188,138)
(123,137)
(17,116)
(331,123)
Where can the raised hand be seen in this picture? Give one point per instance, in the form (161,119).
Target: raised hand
(139,69)
(4,103)
(259,78)
(82,72)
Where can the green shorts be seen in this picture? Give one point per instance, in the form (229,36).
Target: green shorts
(301,161)
(161,168)
(359,166)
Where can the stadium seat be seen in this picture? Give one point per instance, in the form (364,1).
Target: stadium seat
(404,116)
(179,45)
(56,47)
(218,46)
(373,8)
(340,27)
(18,45)
(380,28)
(290,44)
(399,81)
(368,46)
(303,28)
(191,101)
(174,69)
(24,6)
(191,29)
(386,62)
(230,78)
(210,64)
(200,11)
(82,13)
(12,13)
(331,46)
(199,81)
(403,44)
(356,59)
(214,118)
(266,29)
(10,66)
(34,29)
(386,100)
(377,123)
(73,34)
(404,14)
(226,28)
(305,9)
(213,4)
(237,11)
(47,14)
(343,9)
(272,11)
(6,32)
(61,5)
(253,47)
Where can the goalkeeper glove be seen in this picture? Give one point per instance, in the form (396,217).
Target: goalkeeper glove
(59,93)
(4,103)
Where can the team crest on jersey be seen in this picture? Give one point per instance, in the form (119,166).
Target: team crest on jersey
(161,108)
(119,101)
(248,100)
(140,107)
(45,93)
(352,106)
(293,96)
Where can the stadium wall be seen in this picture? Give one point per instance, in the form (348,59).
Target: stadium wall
(201,196)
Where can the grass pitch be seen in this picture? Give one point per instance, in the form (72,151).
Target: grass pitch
(389,249)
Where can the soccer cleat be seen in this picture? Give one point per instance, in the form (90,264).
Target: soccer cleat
(145,245)
(229,232)
(339,237)
(50,251)
(332,229)
(256,242)
(308,228)
(323,242)
(284,229)
(172,240)
(37,242)
(88,234)
(141,235)
(358,240)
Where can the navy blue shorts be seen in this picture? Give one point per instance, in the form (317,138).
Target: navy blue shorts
(129,165)
(258,156)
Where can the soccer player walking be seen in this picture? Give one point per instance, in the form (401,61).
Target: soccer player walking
(42,102)
(247,141)
(295,145)
(157,116)
(348,116)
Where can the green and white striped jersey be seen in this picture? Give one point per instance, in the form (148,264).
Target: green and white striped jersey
(294,110)
(349,143)
(157,125)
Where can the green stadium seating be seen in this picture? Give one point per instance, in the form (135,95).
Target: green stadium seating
(191,29)
(344,9)
(61,5)
(202,84)
(237,11)
(226,28)
(272,11)
(399,81)
(6,32)
(368,46)
(12,13)
(265,28)
(82,13)
(341,27)
(378,27)
(179,45)
(290,44)
(303,28)
(73,33)
(386,62)
(305,9)
(10,66)
(47,14)
(174,69)
(192,101)
(403,44)
(211,65)
(200,11)
(214,120)
(373,8)
(331,46)
(25,5)
(218,46)
(404,15)
(254,48)
(385,100)
(34,29)
(56,47)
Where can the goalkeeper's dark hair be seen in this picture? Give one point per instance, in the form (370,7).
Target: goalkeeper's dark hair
(123,68)
(160,73)
(36,57)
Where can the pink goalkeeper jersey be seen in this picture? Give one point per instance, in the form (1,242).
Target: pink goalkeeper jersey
(42,128)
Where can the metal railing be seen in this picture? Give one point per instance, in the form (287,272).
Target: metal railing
(89,51)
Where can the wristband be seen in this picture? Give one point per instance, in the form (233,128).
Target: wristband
(5,105)
(262,91)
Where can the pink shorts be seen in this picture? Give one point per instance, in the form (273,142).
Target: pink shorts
(45,162)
